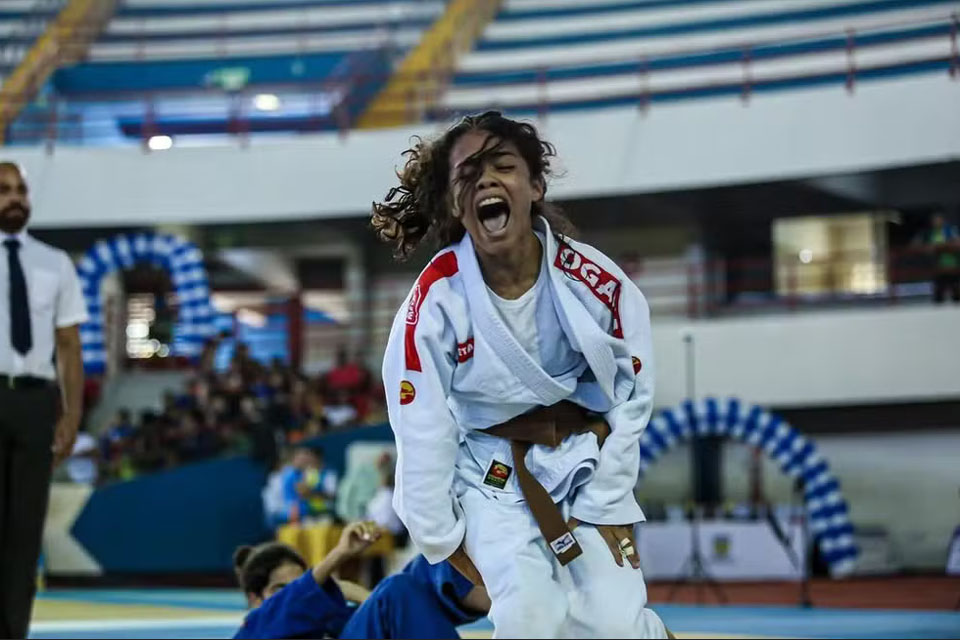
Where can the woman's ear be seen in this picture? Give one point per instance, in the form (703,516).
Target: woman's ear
(453,206)
(539,189)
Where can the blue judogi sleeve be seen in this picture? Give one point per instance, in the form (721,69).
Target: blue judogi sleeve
(423,602)
(302,609)
(449,586)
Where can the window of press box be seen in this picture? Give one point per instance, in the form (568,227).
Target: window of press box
(836,255)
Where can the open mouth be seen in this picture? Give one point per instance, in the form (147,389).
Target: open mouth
(493,213)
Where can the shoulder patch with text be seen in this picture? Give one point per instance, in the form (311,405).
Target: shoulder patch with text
(465,351)
(443,266)
(603,285)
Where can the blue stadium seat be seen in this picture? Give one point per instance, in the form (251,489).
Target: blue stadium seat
(542,55)
(176,68)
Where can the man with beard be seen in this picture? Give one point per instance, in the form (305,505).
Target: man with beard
(41,306)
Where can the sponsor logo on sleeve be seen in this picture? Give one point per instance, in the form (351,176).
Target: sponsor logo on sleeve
(497,475)
(413,309)
(407,392)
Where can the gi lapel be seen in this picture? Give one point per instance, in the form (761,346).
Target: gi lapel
(594,343)
(487,322)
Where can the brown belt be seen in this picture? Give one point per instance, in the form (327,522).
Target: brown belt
(548,426)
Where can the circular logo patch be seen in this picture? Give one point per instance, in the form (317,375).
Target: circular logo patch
(407,392)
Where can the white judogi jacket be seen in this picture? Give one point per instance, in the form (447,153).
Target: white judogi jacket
(452,368)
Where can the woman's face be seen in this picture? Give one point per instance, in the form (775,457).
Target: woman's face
(492,192)
(279,578)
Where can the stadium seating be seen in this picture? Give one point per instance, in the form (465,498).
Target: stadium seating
(173,67)
(561,54)
(21,21)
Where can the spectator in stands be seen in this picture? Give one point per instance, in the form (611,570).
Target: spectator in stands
(340,412)
(278,376)
(309,488)
(380,508)
(350,379)
(81,467)
(149,452)
(275,510)
(195,440)
(244,363)
(292,600)
(118,432)
(943,241)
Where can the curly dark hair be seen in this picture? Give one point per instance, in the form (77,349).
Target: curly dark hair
(419,208)
(253,565)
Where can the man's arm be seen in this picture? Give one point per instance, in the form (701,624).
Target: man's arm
(70,365)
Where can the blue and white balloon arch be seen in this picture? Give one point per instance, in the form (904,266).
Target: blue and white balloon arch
(796,455)
(179,257)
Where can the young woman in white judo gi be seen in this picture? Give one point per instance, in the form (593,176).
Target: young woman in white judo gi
(512,316)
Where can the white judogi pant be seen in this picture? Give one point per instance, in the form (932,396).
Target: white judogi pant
(534,596)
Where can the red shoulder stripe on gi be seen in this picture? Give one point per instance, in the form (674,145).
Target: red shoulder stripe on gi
(443,266)
(603,285)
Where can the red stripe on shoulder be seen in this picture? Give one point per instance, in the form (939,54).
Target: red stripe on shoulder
(443,266)
(604,285)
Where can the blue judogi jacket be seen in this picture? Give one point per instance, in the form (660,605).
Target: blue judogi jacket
(305,609)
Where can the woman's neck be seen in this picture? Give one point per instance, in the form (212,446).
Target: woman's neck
(513,273)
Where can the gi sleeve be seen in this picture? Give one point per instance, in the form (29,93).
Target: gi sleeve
(417,373)
(71,308)
(302,609)
(608,498)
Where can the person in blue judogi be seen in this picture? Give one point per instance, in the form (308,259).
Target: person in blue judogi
(291,600)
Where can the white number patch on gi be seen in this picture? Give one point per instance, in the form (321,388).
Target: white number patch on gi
(563,543)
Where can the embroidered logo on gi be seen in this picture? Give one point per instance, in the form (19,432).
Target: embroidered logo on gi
(637,365)
(407,392)
(465,351)
(497,475)
(413,309)
(603,285)
(563,543)
(443,266)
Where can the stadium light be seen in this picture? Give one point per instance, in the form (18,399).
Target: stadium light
(160,143)
(266,102)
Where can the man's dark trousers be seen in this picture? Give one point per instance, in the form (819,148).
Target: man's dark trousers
(27,419)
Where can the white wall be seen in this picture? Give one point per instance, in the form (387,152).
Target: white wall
(816,358)
(904,482)
(604,152)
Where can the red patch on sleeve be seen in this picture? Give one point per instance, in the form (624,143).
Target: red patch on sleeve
(407,392)
(637,365)
(443,266)
(604,286)
(465,351)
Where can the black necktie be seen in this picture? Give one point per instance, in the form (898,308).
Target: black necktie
(20,335)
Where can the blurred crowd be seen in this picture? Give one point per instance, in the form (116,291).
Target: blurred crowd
(250,408)
(303,489)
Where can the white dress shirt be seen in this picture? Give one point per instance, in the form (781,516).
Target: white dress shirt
(56,301)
